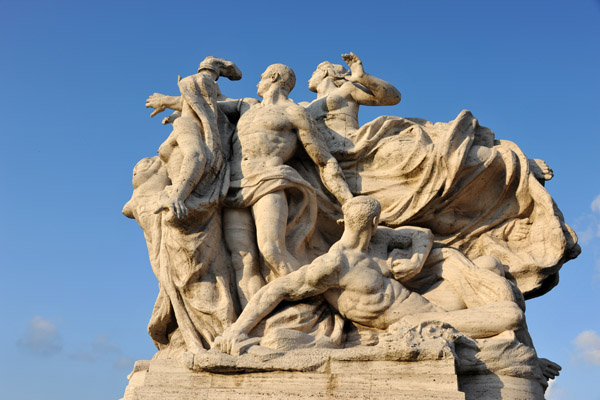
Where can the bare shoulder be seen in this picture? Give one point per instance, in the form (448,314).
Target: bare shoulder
(298,115)
(334,257)
(348,88)
(250,101)
(247,103)
(294,108)
(326,267)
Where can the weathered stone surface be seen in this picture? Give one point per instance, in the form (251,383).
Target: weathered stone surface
(293,245)
(166,379)
(433,379)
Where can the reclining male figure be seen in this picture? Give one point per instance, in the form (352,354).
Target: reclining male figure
(356,286)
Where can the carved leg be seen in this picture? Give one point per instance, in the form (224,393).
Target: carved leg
(270,215)
(240,237)
(480,322)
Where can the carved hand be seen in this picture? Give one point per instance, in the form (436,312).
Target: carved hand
(156,101)
(228,341)
(401,264)
(174,204)
(355,65)
(171,118)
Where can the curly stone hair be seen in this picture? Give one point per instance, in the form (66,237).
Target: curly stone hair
(359,212)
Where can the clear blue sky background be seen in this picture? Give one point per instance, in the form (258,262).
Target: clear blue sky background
(77,289)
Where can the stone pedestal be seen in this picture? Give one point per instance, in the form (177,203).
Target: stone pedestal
(499,387)
(171,380)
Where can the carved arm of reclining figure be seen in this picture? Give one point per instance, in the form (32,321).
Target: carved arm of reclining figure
(310,280)
(407,249)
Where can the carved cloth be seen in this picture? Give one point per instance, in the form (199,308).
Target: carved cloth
(508,353)
(475,193)
(191,264)
(311,322)
(188,256)
(302,202)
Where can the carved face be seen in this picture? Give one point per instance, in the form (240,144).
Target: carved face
(266,80)
(144,169)
(316,78)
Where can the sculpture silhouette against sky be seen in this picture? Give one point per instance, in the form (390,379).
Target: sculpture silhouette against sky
(290,226)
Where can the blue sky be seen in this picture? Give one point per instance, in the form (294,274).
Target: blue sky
(77,287)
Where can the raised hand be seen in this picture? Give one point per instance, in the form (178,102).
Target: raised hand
(156,101)
(355,65)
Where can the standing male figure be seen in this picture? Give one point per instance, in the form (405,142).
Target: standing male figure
(269,135)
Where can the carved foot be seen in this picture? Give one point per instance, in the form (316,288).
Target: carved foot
(540,170)
(550,369)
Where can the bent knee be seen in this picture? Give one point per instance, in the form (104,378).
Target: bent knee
(490,263)
(515,316)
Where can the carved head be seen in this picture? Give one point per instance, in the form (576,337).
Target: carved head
(276,74)
(361,213)
(147,168)
(149,178)
(221,67)
(336,72)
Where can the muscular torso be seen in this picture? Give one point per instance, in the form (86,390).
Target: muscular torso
(365,295)
(337,118)
(266,137)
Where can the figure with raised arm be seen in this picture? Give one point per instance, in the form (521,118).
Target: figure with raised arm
(269,134)
(425,174)
(259,212)
(193,150)
(177,201)
(339,95)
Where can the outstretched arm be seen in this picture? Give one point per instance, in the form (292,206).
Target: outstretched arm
(329,169)
(310,280)
(382,93)
(161,102)
(235,108)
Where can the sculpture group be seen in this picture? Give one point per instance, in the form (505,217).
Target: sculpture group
(289,226)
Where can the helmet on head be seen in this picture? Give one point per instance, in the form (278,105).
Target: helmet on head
(222,67)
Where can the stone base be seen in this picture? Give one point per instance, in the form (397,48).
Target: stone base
(385,380)
(499,387)
(357,380)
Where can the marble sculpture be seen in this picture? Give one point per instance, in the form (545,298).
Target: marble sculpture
(274,227)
